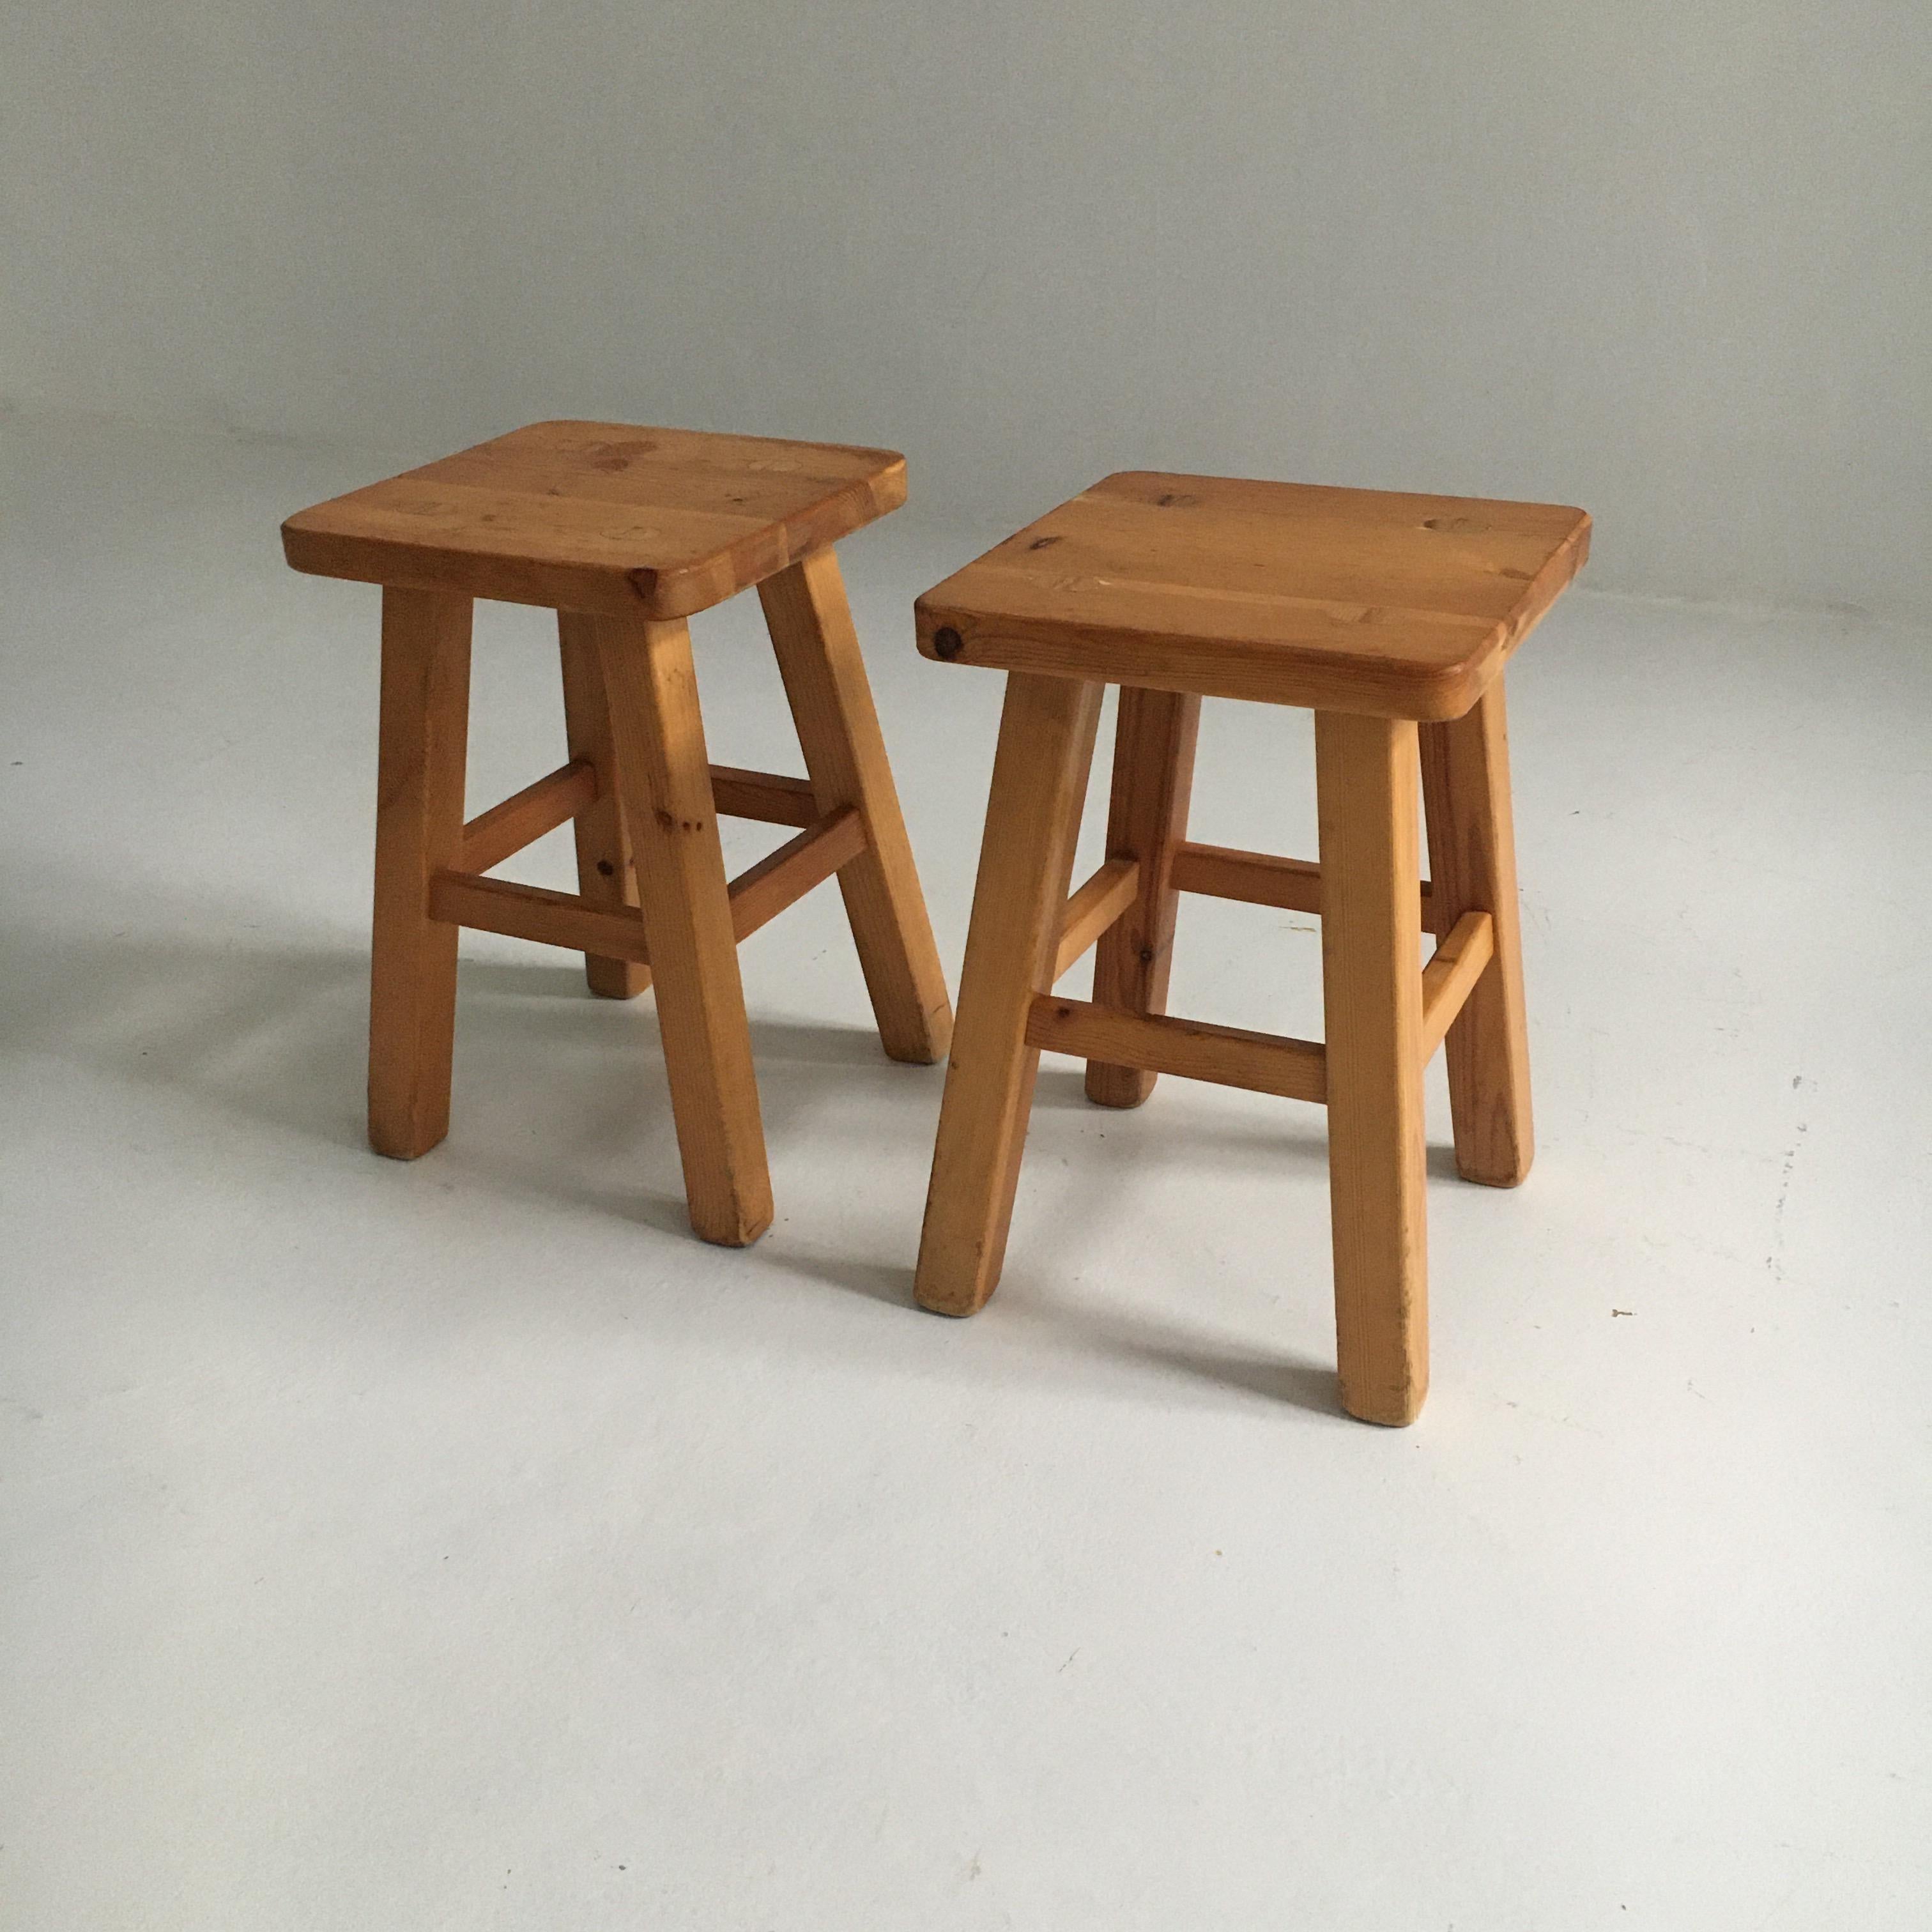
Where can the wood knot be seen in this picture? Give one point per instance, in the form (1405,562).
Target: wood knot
(613,458)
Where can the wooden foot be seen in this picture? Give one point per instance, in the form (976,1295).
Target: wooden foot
(1371,983)
(664,779)
(423,734)
(1465,788)
(605,876)
(1146,818)
(1032,818)
(824,673)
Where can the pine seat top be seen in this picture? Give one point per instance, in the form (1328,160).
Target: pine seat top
(1344,600)
(600,517)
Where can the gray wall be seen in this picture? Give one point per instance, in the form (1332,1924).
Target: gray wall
(1665,260)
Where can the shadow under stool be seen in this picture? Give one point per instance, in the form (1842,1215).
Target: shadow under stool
(626,532)
(1391,617)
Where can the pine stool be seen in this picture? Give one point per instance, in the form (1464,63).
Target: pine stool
(626,532)
(1391,617)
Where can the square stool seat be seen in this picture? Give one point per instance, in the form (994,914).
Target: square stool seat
(601,516)
(1364,600)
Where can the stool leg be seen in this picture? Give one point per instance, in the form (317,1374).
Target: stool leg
(1466,789)
(1371,986)
(422,745)
(665,780)
(824,673)
(606,877)
(1032,818)
(1147,817)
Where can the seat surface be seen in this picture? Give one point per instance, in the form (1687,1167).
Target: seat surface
(1346,600)
(601,517)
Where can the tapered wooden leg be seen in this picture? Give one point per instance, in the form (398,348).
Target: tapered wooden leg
(1465,787)
(1147,817)
(824,673)
(1372,987)
(663,776)
(1032,818)
(423,734)
(605,876)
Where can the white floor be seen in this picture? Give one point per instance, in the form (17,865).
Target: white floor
(461,1544)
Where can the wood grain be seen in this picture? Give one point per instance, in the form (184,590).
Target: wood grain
(423,740)
(1026,859)
(1453,971)
(1465,785)
(525,817)
(758,896)
(1371,983)
(1264,1063)
(763,796)
(1154,739)
(548,918)
(1259,878)
(606,876)
(783,877)
(1100,901)
(620,517)
(824,674)
(1358,600)
(665,781)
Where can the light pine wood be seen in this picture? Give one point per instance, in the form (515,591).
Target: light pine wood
(782,878)
(1255,878)
(1349,600)
(1371,984)
(1259,878)
(1147,817)
(763,796)
(535,913)
(624,531)
(617,517)
(665,782)
(1100,901)
(758,896)
(1391,616)
(606,877)
(1026,860)
(423,739)
(1472,859)
(1264,1062)
(504,829)
(570,792)
(1452,971)
(824,674)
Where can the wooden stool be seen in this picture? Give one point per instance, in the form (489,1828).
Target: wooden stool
(626,532)
(1390,617)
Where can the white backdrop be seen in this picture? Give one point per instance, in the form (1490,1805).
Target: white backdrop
(1662,259)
